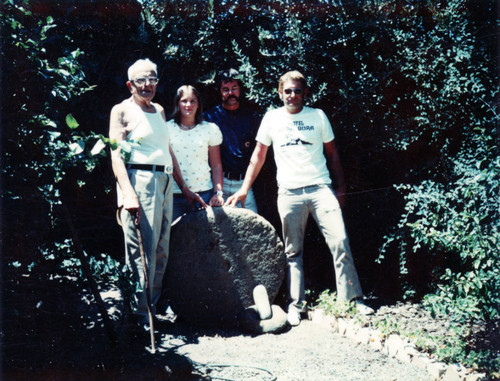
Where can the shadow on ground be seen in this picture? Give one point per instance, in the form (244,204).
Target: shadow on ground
(51,330)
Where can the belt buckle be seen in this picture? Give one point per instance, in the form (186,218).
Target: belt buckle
(167,169)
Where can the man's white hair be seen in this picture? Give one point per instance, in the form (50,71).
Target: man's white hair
(141,64)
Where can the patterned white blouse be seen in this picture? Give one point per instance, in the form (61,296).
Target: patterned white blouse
(191,150)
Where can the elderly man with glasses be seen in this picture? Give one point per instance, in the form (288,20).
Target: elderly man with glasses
(304,151)
(143,164)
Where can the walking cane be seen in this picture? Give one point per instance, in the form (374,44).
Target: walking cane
(146,281)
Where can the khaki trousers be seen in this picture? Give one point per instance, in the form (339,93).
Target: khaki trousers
(294,207)
(154,190)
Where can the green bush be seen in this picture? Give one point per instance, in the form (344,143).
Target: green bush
(450,223)
(46,155)
(460,220)
(408,86)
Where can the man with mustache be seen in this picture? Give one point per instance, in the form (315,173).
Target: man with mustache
(238,124)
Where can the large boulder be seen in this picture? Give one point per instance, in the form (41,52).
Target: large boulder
(217,257)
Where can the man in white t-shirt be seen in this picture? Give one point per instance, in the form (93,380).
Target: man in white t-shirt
(304,150)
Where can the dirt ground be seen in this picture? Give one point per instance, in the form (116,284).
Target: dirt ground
(51,331)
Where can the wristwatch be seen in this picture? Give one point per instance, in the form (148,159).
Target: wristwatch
(219,193)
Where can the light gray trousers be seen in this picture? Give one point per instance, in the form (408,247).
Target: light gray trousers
(294,207)
(154,190)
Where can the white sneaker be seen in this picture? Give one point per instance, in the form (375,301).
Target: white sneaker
(293,318)
(363,309)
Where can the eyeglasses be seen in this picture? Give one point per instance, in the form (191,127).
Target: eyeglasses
(142,81)
(296,91)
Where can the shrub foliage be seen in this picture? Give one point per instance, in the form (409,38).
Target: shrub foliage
(409,86)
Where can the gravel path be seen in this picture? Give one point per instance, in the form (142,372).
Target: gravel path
(310,351)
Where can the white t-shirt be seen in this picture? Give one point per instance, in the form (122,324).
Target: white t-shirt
(191,150)
(297,141)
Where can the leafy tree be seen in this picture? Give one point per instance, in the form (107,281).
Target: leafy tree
(39,148)
(451,217)
(51,120)
(48,158)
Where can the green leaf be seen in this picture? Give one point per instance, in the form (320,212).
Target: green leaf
(77,147)
(54,135)
(71,122)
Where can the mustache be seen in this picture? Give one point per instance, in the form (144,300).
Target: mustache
(232,96)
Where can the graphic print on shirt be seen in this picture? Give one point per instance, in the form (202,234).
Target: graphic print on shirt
(293,136)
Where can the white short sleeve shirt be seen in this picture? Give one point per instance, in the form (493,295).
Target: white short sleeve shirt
(297,141)
(191,151)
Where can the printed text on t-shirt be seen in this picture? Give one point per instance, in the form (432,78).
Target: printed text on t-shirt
(301,127)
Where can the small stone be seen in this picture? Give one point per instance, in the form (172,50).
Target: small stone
(262,302)
(436,369)
(342,323)
(421,361)
(251,322)
(334,324)
(317,315)
(351,330)
(363,336)
(393,344)
(375,333)
(452,374)
(385,349)
(403,356)
(376,341)
(411,351)
(476,377)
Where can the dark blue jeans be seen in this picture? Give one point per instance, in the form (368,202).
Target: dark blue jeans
(181,206)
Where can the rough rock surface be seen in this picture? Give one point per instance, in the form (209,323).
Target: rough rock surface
(217,257)
(251,322)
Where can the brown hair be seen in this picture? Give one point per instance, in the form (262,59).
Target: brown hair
(198,118)
(228,75)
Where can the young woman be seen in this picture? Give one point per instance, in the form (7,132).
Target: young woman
(195,143)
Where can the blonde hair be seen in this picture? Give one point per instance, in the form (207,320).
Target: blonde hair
(293,75)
